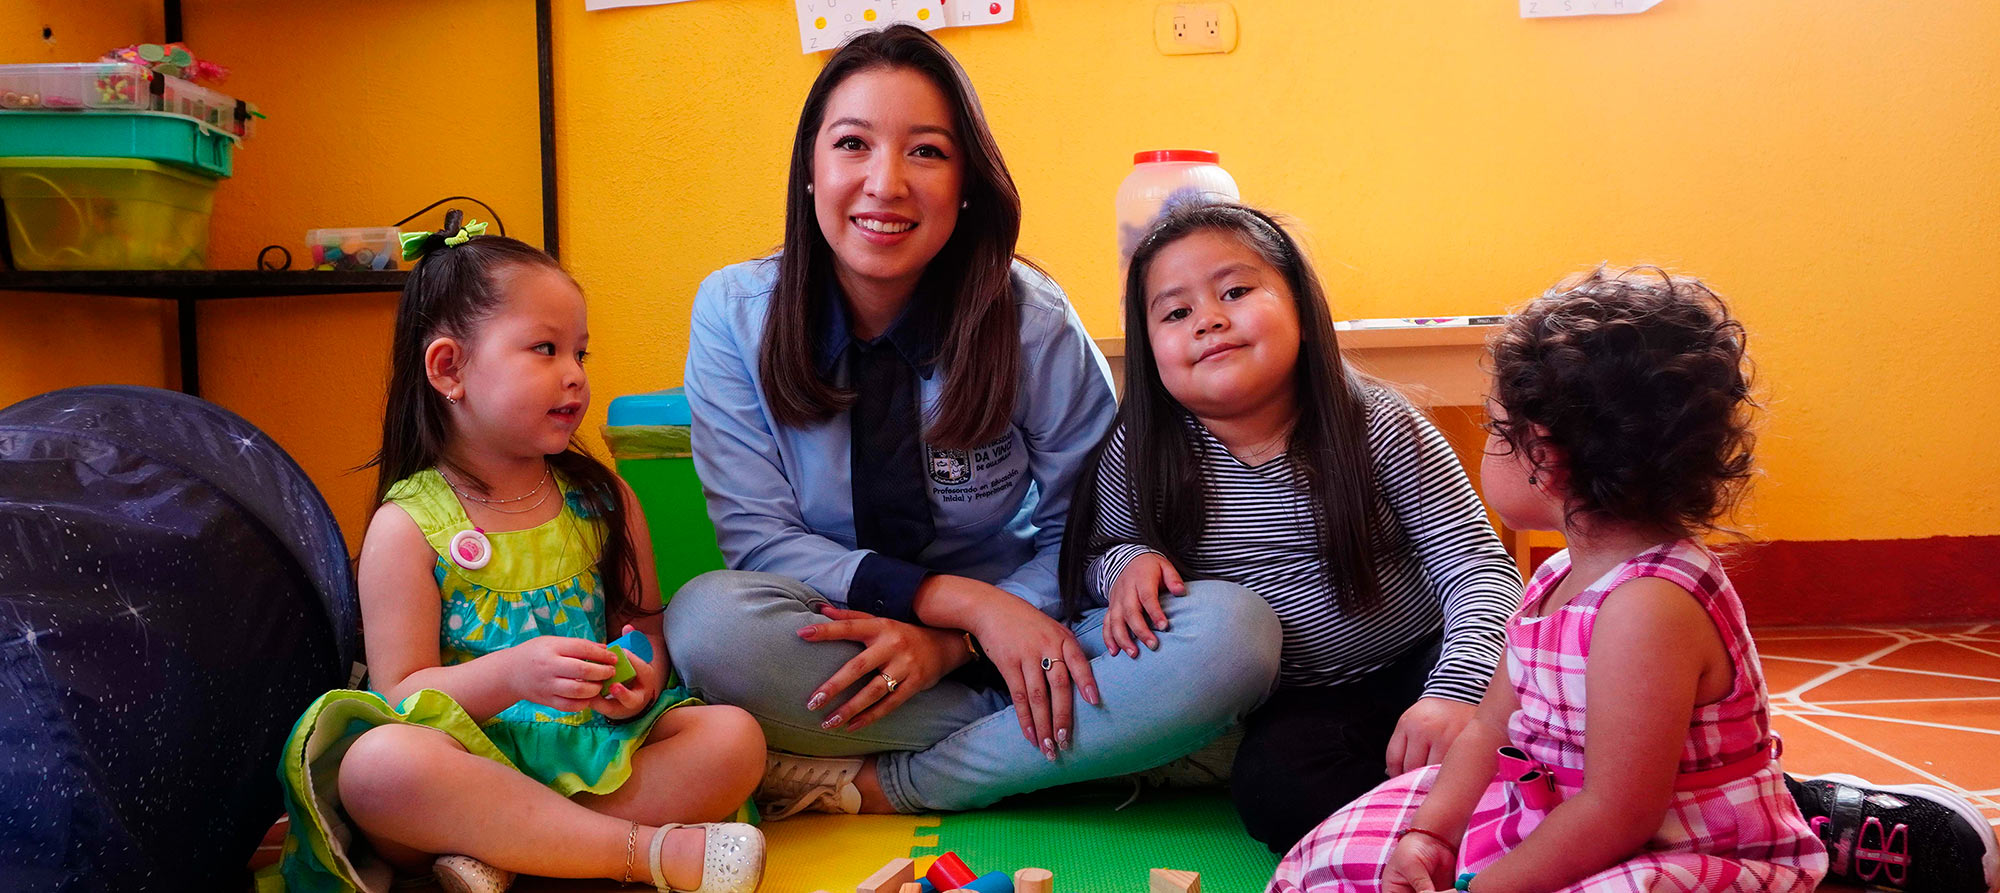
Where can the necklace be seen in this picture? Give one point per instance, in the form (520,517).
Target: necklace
(494,504)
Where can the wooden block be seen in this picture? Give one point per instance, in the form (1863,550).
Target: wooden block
(891,878)
(1034,880)
(1169,880)
(912,888)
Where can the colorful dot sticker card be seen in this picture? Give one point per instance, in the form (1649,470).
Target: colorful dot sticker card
(826,24)
(1542,9)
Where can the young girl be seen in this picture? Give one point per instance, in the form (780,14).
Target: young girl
(500,560)
(1245,451)
(1619,414)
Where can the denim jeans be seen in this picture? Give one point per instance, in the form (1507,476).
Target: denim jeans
(733,635)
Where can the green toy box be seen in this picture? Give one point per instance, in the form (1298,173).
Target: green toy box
(649,439)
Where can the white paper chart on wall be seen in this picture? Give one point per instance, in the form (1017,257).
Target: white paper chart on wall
(1544,9)
(826,24)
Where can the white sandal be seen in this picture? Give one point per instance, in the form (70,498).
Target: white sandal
(732,860)
(464,874)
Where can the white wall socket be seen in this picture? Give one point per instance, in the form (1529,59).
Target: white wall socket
(1184,29)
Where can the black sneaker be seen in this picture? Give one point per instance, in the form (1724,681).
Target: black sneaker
(1917,838)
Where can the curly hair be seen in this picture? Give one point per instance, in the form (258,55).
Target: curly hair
(1640,382)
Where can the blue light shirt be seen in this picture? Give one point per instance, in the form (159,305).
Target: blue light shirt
(781,497)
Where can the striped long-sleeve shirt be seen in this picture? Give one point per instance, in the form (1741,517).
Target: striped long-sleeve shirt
(1436,556)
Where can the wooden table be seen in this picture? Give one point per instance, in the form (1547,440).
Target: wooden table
(1440,369)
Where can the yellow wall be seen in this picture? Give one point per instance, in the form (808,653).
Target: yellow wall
(1832,167)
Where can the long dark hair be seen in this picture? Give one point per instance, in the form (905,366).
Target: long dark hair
(1169,495)
(451,292)
(971,276)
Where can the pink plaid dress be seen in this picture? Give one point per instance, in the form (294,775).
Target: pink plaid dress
(1744,835)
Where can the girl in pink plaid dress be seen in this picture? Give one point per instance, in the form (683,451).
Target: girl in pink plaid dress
(1619,414)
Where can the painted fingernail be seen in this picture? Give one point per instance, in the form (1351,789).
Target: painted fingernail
(807,632)
(1090,694)
(818,698)
(831,722)
(1062,738)
(1049,749)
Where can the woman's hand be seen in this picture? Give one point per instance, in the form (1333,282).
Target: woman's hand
(1425,732)
(1135,611)
(562,672)
(631,697)
(1419,863)
(1042,664)
(915,656)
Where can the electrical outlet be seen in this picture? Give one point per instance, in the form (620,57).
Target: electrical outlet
(1183,29)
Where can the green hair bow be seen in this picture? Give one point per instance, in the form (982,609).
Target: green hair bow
(416,245)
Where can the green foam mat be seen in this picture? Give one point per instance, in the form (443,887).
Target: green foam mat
(1075,833)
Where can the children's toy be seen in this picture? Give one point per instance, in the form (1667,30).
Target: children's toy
(1034,880)
(949,872)
(1169,880)
(991,882)
(890,878)
(634,642)
(911,887)
(173,60)
(354,248)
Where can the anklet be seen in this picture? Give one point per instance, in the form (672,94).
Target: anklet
(631,847)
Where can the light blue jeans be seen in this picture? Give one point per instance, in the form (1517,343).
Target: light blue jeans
(733,635)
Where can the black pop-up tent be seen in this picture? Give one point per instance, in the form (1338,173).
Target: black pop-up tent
(173,593)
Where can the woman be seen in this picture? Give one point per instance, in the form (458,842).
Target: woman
(889,416)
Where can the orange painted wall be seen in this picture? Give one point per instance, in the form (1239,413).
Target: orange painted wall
(1833,167)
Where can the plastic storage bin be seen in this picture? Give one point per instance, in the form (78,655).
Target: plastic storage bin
(354,248)
(1158,177)
(105,214)
(80,85)
(649,439)
(153,136)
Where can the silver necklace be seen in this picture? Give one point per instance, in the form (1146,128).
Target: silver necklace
(494,504)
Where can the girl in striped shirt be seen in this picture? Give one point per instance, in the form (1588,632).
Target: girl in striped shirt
(1246,451)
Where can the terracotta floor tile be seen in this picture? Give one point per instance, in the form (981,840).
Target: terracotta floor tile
(1782,675)
(1844,648)
(1809,632)
(1885,685)
(1944,657)
(1963,758)
(1969,714)
(1810,751)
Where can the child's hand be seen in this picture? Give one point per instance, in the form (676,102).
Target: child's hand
(1418,864)
(631,697)
(560,671)
(1135,611)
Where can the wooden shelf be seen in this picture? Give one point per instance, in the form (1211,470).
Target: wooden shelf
(202,285)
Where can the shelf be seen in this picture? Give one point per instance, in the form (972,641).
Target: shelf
(202,285)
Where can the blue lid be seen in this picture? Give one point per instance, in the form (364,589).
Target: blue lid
(668,407)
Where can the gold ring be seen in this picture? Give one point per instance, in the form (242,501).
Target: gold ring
(889,679)
(1049,663)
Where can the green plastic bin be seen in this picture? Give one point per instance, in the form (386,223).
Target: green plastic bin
(649,439)
(155,136)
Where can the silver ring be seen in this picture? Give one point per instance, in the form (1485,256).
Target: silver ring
(889,679)
(1049,663)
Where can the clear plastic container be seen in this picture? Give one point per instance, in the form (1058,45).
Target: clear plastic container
(80,85)
(105,214)
(354,248)
(1158,177)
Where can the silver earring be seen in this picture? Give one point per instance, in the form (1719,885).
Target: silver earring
(809,188)
(963,204)
(451,400)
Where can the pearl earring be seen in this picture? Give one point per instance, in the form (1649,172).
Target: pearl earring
(809,188)
(963,204)
(451,400)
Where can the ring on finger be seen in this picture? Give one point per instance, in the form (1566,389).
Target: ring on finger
(889,679)
(1049,663)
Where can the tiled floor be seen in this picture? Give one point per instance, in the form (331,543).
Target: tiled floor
(1893,705)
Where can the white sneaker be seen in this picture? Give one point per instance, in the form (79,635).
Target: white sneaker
(464,874)
(793,784)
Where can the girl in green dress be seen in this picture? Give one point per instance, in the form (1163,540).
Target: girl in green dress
(500,561)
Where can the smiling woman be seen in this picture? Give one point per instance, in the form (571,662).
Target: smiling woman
(889,416)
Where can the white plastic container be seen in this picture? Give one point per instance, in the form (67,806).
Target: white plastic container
(1157,177)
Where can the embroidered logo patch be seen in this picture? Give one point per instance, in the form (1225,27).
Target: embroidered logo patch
(948,466)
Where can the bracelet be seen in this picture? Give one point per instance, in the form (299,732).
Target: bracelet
(972,645)
(1464,882)
(631,849)
(1412,829)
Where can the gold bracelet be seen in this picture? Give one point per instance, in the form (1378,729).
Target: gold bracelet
(631,847)
(969,647)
